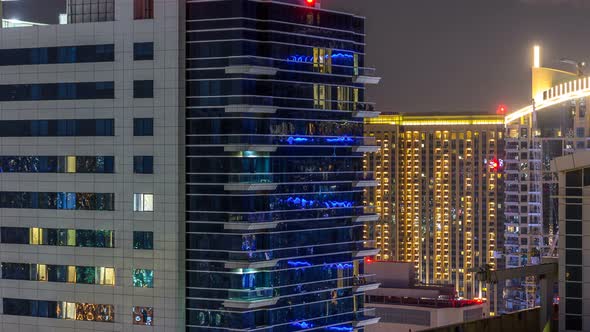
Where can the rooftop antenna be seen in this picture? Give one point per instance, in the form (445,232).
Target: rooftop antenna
(578,64)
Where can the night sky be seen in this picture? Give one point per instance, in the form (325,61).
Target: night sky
(444,56)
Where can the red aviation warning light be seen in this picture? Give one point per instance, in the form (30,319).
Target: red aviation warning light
(310,2)
(501,110)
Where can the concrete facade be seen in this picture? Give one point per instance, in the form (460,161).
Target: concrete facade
(166,183)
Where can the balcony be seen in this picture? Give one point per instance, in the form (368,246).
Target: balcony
(369,144)
(366,317)
(365,183)
(365,111)
(366,252)
(365,283)
(251,70)
(366,76)
(250,187)
(251,265)
(243,226)
(250,299)
(257,109)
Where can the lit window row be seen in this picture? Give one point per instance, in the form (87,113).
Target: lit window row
(73,311)
(71,237)
(59,273)
(57,164)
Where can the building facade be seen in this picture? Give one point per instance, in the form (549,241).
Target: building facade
(574,216)
(556,124)
(574,181)
(92,173)
(187,165)
(439,194)
(275,94)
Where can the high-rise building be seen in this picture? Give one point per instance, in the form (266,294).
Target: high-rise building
(185,165)
(92,173)
(556,124)
(439,195)
(275,99)
(574,180)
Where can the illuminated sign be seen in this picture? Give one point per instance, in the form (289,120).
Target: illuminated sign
(494,164)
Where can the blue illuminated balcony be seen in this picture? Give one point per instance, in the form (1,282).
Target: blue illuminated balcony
(269,258)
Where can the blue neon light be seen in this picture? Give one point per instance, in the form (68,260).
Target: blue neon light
(292,139)
(298,264)
(304,203)
(339,328)
(303,325)
(300,201)
(340,139)
(309,59)
(340,266)
(333,204)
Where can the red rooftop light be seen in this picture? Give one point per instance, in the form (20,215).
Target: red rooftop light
(310,2)
(501,110)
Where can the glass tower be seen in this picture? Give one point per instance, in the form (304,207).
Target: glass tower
(274,158)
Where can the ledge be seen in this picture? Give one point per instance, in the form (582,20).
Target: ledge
(251,265)
(243,304)
(364,79)
(251,70)
(250,109)
(250,186)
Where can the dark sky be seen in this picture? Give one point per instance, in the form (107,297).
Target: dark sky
(446,55)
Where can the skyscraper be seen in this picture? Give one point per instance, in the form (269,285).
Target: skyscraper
(440,194)
(275,144)
(185,165)
(556,124)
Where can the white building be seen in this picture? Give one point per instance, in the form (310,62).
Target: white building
(91,183)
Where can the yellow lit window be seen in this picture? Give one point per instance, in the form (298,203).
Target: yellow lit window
(71,164)
(41,272)
(105,275)
(72,274)
(72,237)
(35,236)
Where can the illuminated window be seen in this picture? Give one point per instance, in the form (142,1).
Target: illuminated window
(36,236)
(143,278)
(105,276)
(59,310)
(143,202)
(71,164)
(143,316)
(72,274)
